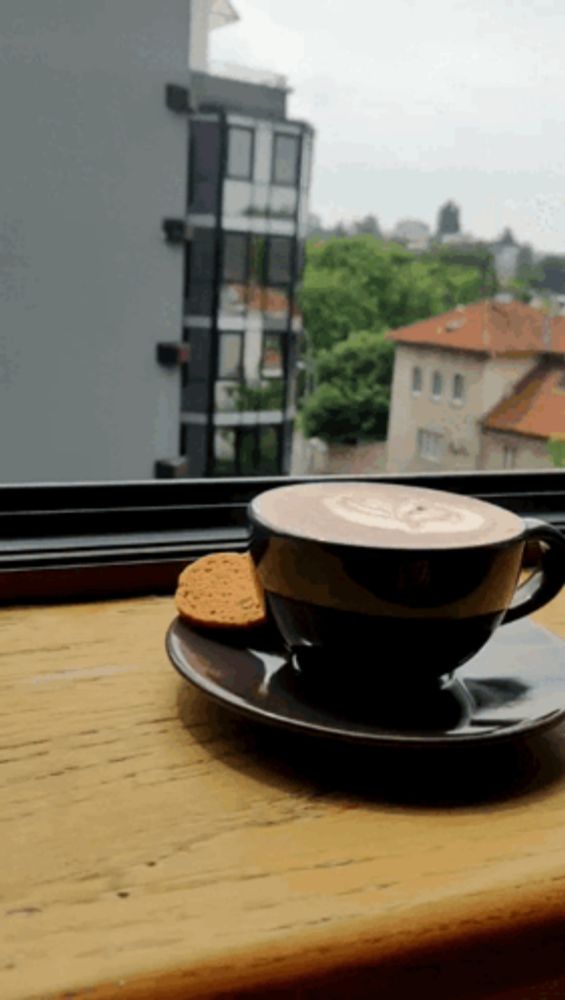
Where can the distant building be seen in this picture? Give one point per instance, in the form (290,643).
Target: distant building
(413,234)
(478,387)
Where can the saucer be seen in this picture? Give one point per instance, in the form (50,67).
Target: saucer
(513,687)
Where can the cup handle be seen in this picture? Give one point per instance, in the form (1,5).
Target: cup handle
(543,585)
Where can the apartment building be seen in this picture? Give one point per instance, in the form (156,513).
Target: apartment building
(478,387)
(244,249)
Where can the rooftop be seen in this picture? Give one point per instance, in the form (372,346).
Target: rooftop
(536,408)
(489,327)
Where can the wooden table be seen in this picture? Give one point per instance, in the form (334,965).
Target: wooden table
(154,847)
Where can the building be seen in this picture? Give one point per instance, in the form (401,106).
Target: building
(247,218)
(415,235)
(108,278)
(478,387)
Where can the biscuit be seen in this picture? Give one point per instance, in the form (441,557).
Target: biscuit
(221,590)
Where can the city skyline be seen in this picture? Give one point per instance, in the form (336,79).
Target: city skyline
(463,101)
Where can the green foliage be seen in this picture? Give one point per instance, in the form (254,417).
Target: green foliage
(257,396)
(360,283)
(352,397)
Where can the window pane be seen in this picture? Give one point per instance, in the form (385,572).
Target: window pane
(458,388)
(280,260)
(247,451)
(240,153)
(204,166)
(416,380)
(430,445)
(224,452)
(285,159)
(269,451)
(235,257)
(272,362)
(257,253)
(437,385)
(229,355)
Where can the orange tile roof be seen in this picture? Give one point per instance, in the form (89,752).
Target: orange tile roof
(489,327)
(536,407)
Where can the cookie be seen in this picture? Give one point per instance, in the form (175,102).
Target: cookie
(221,590)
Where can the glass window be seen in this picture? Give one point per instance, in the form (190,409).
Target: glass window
(458,388)
(272,359)
(230,355)
(276,307)
(204,170)
(225,452)
(257,254)
(416,380)
(240,153)
(279,265)
(286,151)
(437,385)
(235,257)
(430,445)
(269,450)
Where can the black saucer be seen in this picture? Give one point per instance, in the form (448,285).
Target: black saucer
(515,686)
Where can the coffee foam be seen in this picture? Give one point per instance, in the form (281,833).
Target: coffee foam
(374,514)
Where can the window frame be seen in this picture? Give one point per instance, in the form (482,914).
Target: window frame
(424,433)
(418,391)
(84,541)
(241,177)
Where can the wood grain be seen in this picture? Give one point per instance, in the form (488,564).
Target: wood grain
(154,846)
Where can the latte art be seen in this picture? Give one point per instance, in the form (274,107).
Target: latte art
(390,515)
(410,516)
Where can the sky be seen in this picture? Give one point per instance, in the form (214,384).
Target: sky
(415,102)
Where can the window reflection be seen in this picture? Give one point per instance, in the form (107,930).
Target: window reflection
(233,300)
(272,359)
(230,354)
(279,260)
(235,257)
(225,452)
(240,153)
(286,150)
(275,304)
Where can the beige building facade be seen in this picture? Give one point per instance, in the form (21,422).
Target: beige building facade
(439,397)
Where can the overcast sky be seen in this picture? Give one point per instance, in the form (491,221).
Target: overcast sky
(418,101)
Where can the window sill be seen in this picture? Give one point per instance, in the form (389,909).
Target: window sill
(78,541)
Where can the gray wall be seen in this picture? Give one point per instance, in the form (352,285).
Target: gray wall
(90,162)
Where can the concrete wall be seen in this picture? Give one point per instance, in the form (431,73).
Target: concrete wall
(315,457)
(92,161)
(486,381)
(528,452)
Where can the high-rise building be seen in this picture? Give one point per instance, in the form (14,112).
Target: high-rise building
(247,216)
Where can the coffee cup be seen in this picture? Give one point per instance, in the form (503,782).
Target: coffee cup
(398,583)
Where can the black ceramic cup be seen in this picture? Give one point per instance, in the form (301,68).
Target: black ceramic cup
(391,582)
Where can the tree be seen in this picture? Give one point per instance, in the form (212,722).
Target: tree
(361,283)
(448,219)
(352,398)
(367,226)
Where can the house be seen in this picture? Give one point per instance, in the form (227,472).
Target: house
(482,386)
